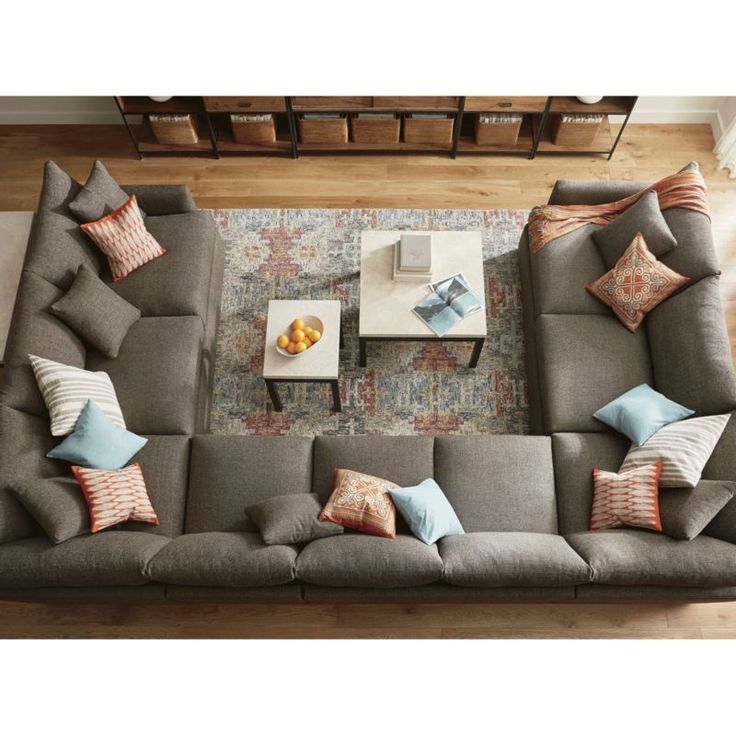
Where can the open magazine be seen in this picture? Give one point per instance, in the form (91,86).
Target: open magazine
(452,300)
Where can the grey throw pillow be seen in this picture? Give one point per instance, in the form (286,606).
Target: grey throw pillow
(99,196)
(685,512)
(644,217)
(96,313)
(291,519)
(57,504)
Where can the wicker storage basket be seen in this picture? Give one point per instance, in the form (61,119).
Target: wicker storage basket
(498,128)
(435,131)
(174,130)
(323,131)
(375,130)
(255,129)
(575,129)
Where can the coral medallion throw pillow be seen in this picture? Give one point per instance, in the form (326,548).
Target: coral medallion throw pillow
(626,499)
(123,238)
(636,284)
(362,502)
(115,496)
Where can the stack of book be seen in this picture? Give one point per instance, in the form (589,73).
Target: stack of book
(413,258)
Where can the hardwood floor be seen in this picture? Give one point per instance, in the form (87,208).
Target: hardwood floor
(647,152)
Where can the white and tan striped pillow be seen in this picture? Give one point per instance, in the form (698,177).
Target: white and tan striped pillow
(67,389)
(683,448)
(123,238)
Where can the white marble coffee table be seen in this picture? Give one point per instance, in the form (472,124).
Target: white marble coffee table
(319,364)
(15,227)
(386,305)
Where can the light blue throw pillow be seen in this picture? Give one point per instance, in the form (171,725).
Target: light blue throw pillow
(427,511)
(97,442)
(641,412)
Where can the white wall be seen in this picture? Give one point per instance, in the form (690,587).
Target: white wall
(716,111)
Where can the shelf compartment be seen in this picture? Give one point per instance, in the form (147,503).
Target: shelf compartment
(524,142)
(375,130)
(245,104)
(423,131)
(607,106)
(602,143)
(145,105)
(331,104)
(505,104)
(323,132)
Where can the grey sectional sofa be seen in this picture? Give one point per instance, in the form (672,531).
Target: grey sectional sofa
(523,500)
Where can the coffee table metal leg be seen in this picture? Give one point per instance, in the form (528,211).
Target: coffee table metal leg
(336,403)
(362,359)
(274,395)
(477,347)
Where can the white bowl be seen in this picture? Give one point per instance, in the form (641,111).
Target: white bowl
(589,100)
(160,98)
(311,321)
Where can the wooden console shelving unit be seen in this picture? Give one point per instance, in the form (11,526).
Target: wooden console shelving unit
(216,138)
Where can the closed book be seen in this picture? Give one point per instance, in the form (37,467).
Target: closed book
(421,277)
(415,253)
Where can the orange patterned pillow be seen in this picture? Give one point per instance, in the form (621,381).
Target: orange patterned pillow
(115,496)
(626,499)
(123,238)
(636,284)
(362,502)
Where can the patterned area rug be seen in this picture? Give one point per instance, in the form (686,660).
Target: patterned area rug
(408,388)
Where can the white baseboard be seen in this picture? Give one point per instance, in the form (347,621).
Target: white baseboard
(675,117)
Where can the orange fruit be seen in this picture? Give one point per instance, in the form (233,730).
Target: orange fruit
(291,348)
(297,324)
(297,335)
(314,335)
(282,341)
(307,342)
(300,347)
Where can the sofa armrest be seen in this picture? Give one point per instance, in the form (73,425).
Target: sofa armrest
(162,199)
(592,191)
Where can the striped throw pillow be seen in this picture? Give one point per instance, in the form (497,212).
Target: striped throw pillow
(683,448)
(123,238)
(115,496)
(66,391)
(626,499)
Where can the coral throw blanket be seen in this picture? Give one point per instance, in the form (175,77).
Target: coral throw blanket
(685,189)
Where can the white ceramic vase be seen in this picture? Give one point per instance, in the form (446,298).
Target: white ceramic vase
(590,100)
(159,98)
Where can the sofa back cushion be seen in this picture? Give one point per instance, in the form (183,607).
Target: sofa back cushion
(575,456)
(57,246)
(228,473)
(24,441)
(405,461)
(36,330)
(691,352)
(498,483)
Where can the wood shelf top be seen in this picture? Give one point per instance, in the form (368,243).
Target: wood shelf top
(608,105)
(376,104)
(505,104)
(145,105)
(400,146)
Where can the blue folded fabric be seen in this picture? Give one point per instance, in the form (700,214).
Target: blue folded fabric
(641,412)
(427,511)
(97,442)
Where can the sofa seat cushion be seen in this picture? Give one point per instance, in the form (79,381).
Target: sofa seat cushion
(691,352)
(355,560)
(628,557)
(498,559)
(233,559)
(156,374)
(107,558)
(184,271)
(585,362)
(561,270)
